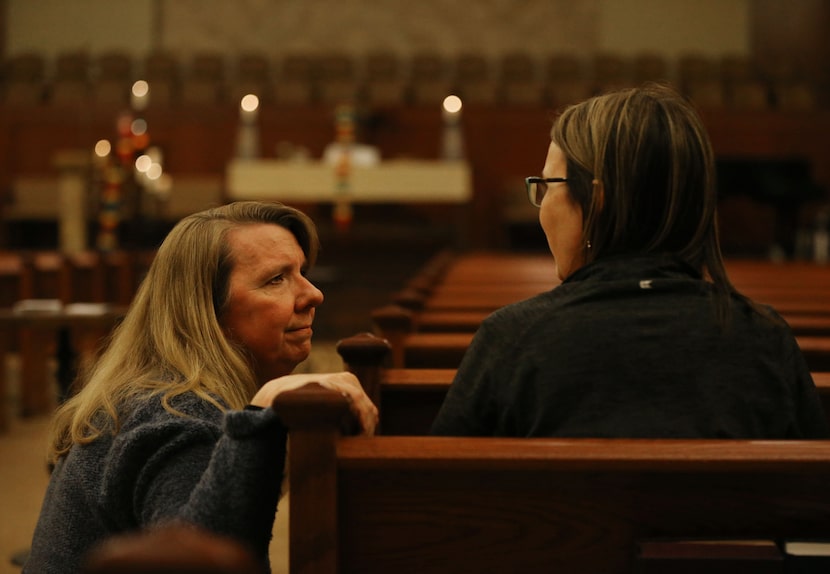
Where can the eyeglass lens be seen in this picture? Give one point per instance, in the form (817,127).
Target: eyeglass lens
(537,192)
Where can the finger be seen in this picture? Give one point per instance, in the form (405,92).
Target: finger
(360,404)
(368,422)
(363,408)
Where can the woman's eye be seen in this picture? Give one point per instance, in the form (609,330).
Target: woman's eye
(276,279)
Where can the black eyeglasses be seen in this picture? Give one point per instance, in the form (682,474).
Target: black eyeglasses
(537,187)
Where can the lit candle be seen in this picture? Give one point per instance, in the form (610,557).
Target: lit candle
(451,109)
(102,152)
(248,108)
(247,133)
(453,141)
(140,95)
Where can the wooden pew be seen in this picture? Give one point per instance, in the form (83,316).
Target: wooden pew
(792,302)
(816,352)
(822,381)
(414,504)
(71,334)
(409,398)
(455,292)
(463,288)
(11,288)
(761,272)
(423,340)
(485,281)
(430,322)
(36,393)
(474,268)
(459,321)
(442,347)
(511,275)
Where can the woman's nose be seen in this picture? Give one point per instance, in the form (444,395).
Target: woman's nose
(310,295)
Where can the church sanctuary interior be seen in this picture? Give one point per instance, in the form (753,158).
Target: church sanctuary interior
(405,130)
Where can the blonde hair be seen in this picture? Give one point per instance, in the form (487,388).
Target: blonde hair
(641,166)
(171,340)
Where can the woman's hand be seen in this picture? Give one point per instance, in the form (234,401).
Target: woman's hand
(343,382)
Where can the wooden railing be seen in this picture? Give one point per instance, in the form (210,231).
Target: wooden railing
(410,504)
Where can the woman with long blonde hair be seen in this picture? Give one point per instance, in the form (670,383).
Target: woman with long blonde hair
(173,422)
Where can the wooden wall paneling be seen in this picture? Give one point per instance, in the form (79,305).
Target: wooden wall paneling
(793,35)
(194,139)
(503,144)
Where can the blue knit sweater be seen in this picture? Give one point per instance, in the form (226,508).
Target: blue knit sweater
(219,471)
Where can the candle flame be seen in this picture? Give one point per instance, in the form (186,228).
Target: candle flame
(141,88)
(452,104)
(249,103)
(103,148)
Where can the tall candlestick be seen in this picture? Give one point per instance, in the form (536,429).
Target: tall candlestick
(247,144)
(451,108)
(453,139)
(249,108)
(140,95)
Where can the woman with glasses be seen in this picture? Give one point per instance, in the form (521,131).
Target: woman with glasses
(645,336)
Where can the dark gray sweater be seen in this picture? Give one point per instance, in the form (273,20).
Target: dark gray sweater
(222,472)
(631,347)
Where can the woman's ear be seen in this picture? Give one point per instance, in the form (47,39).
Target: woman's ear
(599,195)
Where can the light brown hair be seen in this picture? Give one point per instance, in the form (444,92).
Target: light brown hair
(641,166)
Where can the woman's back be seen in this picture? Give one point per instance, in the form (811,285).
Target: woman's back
(633,347)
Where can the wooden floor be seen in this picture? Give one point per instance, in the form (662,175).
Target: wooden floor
(23,479)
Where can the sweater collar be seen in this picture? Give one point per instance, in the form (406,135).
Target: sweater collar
(634,267)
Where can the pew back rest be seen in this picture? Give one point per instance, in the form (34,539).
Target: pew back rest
(406,504)
(409,399)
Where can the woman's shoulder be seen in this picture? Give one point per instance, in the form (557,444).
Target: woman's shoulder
(185,409)
(762,313)
(757,321)
(152,427)
(514,321)
(527,308)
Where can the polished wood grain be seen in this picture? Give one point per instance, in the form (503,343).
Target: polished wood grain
(572,505)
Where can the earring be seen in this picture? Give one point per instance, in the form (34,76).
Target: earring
(587,244)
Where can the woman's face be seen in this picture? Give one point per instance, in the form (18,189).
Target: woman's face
(271,304)
(561,217)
